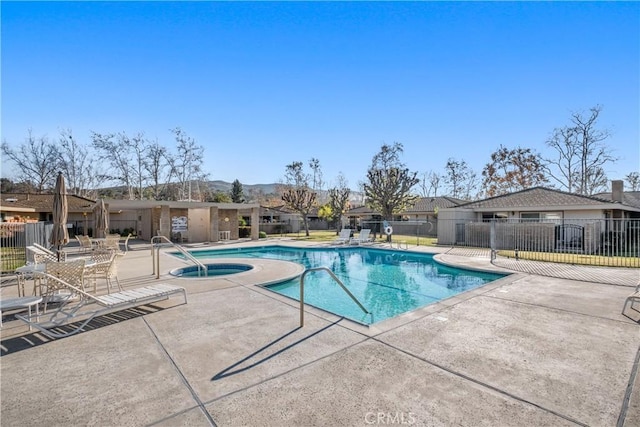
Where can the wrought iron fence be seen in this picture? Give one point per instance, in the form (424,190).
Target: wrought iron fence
(608,242)
(15,237)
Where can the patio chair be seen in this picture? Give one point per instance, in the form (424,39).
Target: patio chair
(85,243)
(633,298)
(343,237)
(112,242)
(39,254)
(105,267)
(56,323)
(71,272)
(363,237)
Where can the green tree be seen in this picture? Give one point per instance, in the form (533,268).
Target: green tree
(389,183)
(297,194)
(512,170)
(237,192)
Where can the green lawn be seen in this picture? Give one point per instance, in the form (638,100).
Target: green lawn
(578,259)
(329,236)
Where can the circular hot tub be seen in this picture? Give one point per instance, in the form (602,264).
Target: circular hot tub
(213,270)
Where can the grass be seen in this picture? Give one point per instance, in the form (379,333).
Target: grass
(12,258)
(576,259)
(330,235)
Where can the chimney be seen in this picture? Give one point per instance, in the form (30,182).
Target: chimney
(617,190)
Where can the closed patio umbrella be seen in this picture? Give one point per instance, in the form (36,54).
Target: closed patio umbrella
(59,234)
(102,219)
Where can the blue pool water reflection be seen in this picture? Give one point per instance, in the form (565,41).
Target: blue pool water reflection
(387,283)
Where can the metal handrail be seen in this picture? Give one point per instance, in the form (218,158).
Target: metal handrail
(332,274)
(156,259)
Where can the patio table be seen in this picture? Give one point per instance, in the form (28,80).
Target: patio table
(20,302)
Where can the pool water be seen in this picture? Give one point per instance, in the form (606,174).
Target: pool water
(388,283)
(212,270)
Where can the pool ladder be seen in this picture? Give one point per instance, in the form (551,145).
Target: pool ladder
(338,281)
(156,257)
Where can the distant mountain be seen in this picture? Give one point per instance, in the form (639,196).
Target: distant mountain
(226,187)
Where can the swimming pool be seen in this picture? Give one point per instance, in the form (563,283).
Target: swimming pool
(388,283)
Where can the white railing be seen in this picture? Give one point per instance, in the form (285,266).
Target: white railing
(156,244)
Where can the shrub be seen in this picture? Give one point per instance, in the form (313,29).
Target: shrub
(262,235)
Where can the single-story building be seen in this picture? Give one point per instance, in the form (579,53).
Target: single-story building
(180,221)
(543,219)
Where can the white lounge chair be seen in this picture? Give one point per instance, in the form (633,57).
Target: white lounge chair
(56,324)
(40,254)
(633,298)
(343,237)
(363,237)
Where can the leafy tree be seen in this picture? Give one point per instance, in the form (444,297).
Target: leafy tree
(339,200)
(325,212)
(220,197)
(633,179)
(297,194)
(237,193)
(389,183)
(512,170)
(581,154)
(36,160)
(462,180)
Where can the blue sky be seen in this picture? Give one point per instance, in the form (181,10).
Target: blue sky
(261,85)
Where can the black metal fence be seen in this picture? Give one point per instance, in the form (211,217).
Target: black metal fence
(609,242)
(15,237)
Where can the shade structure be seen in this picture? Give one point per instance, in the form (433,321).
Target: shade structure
(102,219)
(59,233)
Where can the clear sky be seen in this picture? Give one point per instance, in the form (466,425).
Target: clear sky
(263,84)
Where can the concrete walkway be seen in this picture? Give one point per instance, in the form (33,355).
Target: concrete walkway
(527,350)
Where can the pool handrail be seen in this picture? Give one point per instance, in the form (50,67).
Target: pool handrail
(156,258)
(334,277)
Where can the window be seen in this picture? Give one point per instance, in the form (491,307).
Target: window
(540,216)
(499,216)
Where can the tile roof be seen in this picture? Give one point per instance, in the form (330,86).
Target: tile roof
(536,197)
(629,198)
(429,204)
(42,202)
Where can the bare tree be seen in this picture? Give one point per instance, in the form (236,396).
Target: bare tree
(36,160)
(512,170)
(157,169)
(115,150)
(339,199)
(186,165)
(633,179)
(581,154)
(389,183)
(79,167)
(297,194)
(430,184)
(461,179)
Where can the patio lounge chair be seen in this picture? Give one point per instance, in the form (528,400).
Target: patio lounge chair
(343,237)
(85,243)
(40,254)
(55,324)
(633,298)
(363,237)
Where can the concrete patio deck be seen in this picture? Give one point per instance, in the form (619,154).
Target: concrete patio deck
(527,350)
